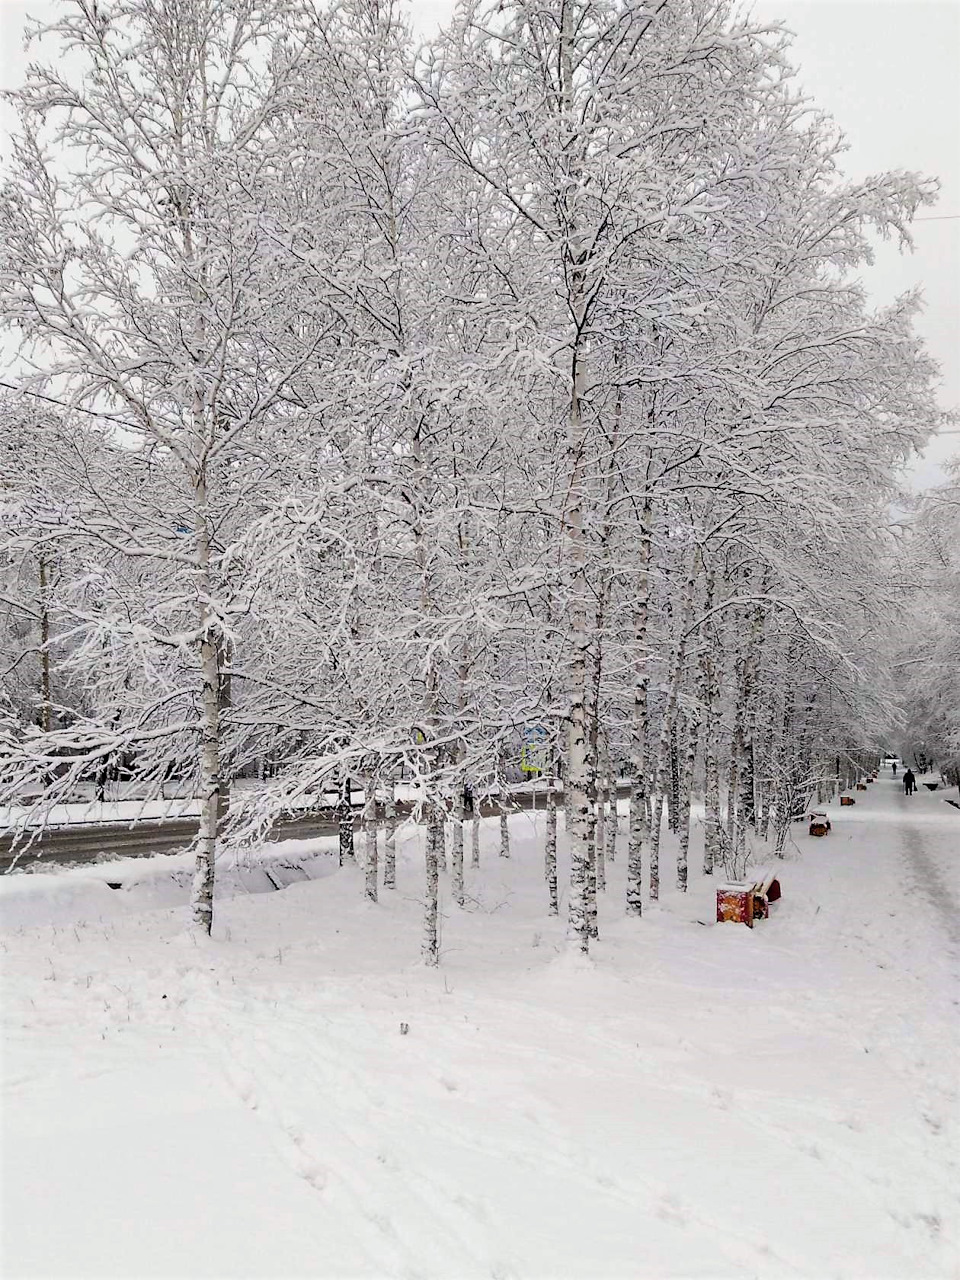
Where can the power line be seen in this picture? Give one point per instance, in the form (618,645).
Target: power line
(938,217)
(74,408)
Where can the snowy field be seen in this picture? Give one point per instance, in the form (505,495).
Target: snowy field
(693,1100)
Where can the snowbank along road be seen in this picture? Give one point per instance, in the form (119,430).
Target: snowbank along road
(75,835)
(691,1101)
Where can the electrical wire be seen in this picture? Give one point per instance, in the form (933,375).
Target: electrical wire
(74,408)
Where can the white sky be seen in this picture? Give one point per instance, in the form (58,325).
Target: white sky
(889,73)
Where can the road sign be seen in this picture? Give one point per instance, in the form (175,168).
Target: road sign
(535,749)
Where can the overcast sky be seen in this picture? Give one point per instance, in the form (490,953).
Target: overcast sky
(889,73)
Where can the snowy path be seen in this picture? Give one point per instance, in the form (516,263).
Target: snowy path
(692,1102)
(930,852)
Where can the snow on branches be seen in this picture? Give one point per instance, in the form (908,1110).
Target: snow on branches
(510,395)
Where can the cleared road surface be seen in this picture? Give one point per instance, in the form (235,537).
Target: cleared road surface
(86,843)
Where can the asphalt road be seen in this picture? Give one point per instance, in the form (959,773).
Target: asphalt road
(87,843)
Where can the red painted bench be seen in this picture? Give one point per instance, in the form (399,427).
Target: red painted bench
(744,903)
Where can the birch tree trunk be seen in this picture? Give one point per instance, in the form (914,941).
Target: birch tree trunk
(203,879)
(43,602)
(595,869)
(741,801)
(748,786)
(686,795)
(709,694)
(673,792)
(370,868)
(765,788)
(430,949)
(550,848)
(460,781)
(456,846)
(655,847)
(712,851)
(667,728)
(442,850)
(613,817)
(390,837)
(504,828)
(638,735)
(574,254)
(593,924)
(733,782)
(345,821)
(423,535)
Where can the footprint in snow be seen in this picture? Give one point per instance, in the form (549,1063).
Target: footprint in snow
(311,1171)
(671,1209)
(808,1148)
(476,1208)
(383,1225)
(502,1271)
(932,1222)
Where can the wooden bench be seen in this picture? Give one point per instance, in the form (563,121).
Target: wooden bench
(819,824)
(845,800)
(744,903)
(765,889)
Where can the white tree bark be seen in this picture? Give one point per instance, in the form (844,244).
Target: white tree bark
(430,949)
(655,827)
(370,868)
(456,851)
(709,694)
(686,795)
(345,821)
(637,818)
(203,880)
(43,608)
(612,825)
(712,848)
(390,837)
(600,836)
(475,841)
(550,848)
(668,722)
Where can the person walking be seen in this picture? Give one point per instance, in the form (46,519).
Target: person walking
(909,783)
(894,763)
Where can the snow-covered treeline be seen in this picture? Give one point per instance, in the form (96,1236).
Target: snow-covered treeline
(517,389)
(926,646)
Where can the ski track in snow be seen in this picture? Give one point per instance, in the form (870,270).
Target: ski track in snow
(688,1102)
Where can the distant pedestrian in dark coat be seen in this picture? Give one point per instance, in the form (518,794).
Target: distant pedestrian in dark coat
(909,783)
(894,768)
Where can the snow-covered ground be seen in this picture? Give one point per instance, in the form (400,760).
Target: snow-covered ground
(694,1100)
